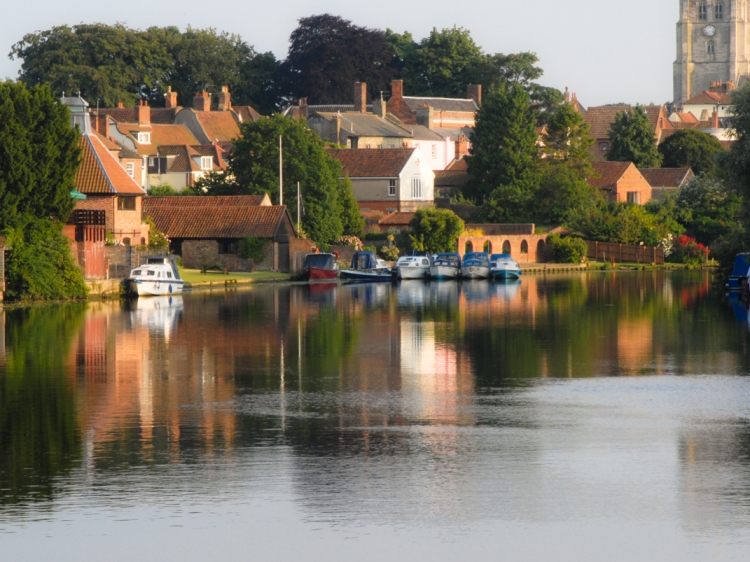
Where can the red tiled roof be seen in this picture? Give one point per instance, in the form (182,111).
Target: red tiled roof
(372,162)
(458,165)
(600,119)
(397,218)
(247,113)
(100,172)
(610,173)
(159,115)
(666,177)
(206,201)
(706,97)
(218,125)
(217,222)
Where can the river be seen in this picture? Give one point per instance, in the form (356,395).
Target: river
(581,416)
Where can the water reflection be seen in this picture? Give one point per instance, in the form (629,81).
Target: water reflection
(418,402)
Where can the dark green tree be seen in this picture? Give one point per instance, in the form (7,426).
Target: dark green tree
(328,54)
(690,148)
(632,140)
(435,230)
(351,219)
(503,161)
(567,137)
(708,209)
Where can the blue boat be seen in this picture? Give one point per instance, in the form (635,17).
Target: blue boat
(503,266)
(446,266)
(366,267)
(738,279)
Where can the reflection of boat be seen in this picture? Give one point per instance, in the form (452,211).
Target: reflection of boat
(159,314)
(413,292)
(413,267)
(446,266)
(366,267)
(476,289)
(158,276)
(373,295)
(739,308)
(476,265)
(323,292)
(508,289)
(738,279)
(321,266)
(503,266)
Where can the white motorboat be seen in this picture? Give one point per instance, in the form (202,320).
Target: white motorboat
(476,265)
(503,266)
(446,266)
(413,267)
(158,276)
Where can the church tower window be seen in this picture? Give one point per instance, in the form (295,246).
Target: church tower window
(702,11)
(710,47)
(719,11)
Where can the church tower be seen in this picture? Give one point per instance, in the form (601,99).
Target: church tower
(713,45)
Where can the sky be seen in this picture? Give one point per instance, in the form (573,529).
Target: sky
(607,51)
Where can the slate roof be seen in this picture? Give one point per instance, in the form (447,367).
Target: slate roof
(666,177)
(372,162)
(218,125)
(217,222)
(453,133)
(396,218)
(601,118)
(706,97)
(366,125)
(206,201)
(442,104)
(100,173)
(610,173)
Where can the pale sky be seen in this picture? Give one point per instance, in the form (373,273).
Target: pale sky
(607,51)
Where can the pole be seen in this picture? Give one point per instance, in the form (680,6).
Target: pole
(281,174)
(299,207)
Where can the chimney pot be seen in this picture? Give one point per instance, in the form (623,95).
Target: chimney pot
(202,101)
(120,104)
(567,95)
(170,98)
(144,113)
(225,99)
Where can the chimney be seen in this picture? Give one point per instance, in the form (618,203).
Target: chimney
(144,113)
(397,89)
(462,147)
(336,129)
(120,105)
(474,91)
(378,107)
(101,125)
(170,98)
(567,95)
(729,86)
(704,115)
(425,116)
(360,97)
(225,99)
(715,120)
(202,101)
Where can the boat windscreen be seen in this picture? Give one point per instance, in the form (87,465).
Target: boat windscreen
(364,260)
(321,261)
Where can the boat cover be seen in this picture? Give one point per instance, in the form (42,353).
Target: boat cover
(364,260)
(501,257)
(741,265)
(478,256)
(450,257)
(321,261)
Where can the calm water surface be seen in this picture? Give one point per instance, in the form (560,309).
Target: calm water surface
(578,417)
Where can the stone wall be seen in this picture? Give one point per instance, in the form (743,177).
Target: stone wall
(197,254)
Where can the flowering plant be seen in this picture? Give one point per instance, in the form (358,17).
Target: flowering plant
(351,241)
(687,250)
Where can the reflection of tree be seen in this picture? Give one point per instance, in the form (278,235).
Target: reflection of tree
(39,435)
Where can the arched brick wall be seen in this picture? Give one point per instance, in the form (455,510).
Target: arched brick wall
(535,245)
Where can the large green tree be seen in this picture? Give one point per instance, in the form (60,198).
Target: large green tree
(690,148)
(351,218)
(504,158)
(708,209)
(632,140)
(435,230)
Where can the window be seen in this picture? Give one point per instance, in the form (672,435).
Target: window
(228,246)
(391,188)
(434,151)
(702,11)
(603,146)
(206,163)
(126,203)
(634,197)
(416,188)
(719,11)
(144,138)
(710,47)
(130,168)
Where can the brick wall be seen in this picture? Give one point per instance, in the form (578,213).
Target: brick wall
(298,250)
(100,203)
(129,224)
(531,248)
(633,181)
(205,253)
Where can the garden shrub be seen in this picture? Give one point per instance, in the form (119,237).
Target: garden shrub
(567,250)
(253,248)
(686,250)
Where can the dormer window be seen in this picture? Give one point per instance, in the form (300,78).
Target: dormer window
(206,163)
(702,11)
(144,138)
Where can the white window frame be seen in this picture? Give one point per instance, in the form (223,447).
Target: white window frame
(416,188)
(391,188)
(144,138)
(130,169)
(207,163)
(634,197)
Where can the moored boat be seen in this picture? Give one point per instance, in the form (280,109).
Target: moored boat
(503,266)
(158,276)
(413,267)
(321,267)
(476,265)
(366,266)
(446,266)
(738,279)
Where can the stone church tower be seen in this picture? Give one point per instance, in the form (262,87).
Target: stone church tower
(713,45)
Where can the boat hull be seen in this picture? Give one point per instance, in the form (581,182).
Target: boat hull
(445,272)
(413,272)
(144,288)
(354,275)
(509,274)
(475,272)
(318,273)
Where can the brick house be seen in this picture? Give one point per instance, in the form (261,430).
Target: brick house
(621,182)
(387,180)
(666,180)
(600,119)
(454,113)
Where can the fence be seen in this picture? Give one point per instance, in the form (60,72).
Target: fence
(606,251)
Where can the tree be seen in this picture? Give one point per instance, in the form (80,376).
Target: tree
(563,191)
(567,137)
(39,156)
(328,54)
(503,159)
(709,210)
(254,167)
(435,230)
(351,219)
(690,148)
(632,140)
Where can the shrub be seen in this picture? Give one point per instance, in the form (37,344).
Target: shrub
(435,230)
(567,250)
(353,241)
(253,248)
(157,240)
(686,250)
(370,249)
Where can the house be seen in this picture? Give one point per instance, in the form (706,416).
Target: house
(388,179)
(621,182)
(209,126)
(666,180)
(452,180)
(208,231)
(600,119)
(453,113)
(106,183)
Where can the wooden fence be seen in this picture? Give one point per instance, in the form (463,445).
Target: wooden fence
(605,251)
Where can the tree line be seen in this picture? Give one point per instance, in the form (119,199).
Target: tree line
(327,55)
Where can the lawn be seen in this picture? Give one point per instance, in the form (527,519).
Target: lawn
(195,276)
